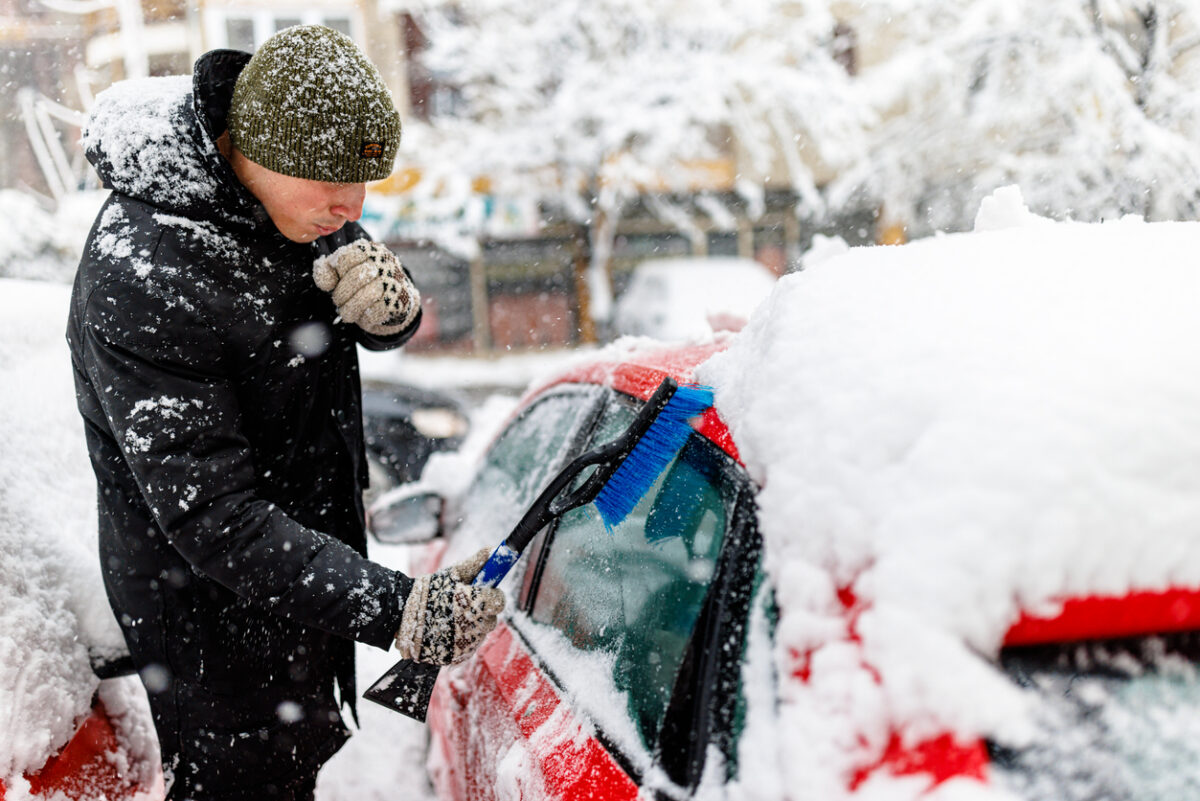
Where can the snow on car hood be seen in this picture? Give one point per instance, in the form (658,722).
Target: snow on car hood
(948,433)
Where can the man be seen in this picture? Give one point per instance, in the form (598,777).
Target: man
(223,291)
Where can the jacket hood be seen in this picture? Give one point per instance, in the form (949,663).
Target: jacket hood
(154,139)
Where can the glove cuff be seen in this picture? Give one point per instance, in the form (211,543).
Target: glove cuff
(382,330)
(412,622)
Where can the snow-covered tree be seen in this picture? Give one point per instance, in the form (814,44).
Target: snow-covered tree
(1091,106)
(588,104)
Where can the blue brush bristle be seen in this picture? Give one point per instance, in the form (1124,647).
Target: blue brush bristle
(653,452)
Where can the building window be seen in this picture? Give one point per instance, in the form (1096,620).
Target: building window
(246,30)
(338,24)
(239,34)
(845,47)
(430,94)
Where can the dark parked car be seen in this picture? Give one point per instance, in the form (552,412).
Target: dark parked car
(404,425)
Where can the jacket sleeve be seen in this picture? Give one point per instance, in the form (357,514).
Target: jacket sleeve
(160,373)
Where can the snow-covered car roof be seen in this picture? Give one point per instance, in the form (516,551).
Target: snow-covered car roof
(949,436)
(685,298)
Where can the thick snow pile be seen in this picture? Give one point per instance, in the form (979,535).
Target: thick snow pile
(946,434)
(52,605)
(23,255)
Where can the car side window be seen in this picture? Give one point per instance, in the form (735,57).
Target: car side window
(521,462)
(634,594)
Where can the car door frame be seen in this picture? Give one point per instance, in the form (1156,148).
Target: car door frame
(705,700)
(449,736)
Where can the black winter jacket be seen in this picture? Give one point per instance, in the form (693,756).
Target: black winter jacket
(222,409)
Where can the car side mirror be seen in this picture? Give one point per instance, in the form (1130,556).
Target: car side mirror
(406,516)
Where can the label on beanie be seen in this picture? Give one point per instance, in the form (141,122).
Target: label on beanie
(371,150)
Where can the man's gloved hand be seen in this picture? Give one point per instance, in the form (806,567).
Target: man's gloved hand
(445,617)
(369,287)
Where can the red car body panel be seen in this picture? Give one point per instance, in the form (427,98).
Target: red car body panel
(941,758)
(85,768)
(1102,617)
(639,373)
(1088,618)
(502,692)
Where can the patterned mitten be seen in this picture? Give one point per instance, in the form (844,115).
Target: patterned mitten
(446,617)
(369,287)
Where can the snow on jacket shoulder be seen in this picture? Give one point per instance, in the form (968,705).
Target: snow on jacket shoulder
(222,407)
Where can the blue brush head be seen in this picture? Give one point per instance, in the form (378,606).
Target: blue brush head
(653,452)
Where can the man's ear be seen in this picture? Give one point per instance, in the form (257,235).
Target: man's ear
(225,144)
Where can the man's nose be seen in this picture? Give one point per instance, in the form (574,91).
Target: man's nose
(348,201)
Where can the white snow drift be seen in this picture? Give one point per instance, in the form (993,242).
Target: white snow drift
(955,431)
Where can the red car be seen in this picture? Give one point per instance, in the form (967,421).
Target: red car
(624,669)
(503,721)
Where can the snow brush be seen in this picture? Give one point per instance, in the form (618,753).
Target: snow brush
(625,469)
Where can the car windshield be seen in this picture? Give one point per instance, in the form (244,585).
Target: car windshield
(634,594)
(1119,720)
(520,463)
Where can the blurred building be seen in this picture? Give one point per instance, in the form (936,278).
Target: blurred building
(523,288)
(55,55)
(38,54)
(525,282)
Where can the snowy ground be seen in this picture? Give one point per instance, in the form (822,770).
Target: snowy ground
(384,760)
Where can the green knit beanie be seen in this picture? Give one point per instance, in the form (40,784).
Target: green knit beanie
(310,105)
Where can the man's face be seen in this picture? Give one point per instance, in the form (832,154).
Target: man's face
(301,209)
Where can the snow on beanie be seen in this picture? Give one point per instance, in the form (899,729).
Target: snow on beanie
(310,105)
